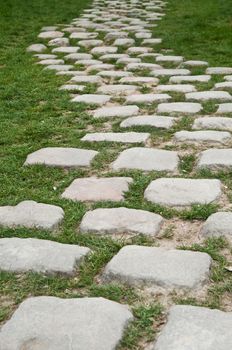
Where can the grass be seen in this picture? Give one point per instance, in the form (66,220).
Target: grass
(35,114)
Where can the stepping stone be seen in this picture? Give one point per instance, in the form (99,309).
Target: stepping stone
(61,157)
(183,88)
(222,86)
(100,67)
(47,322)
(147,98)
(31,214)
(114,74)
(177,192)
(115,35)
(217,225)
(52,35)
(113,57)
(37,255)
(70,72)
(49,28)
(124,42)
(138,50)
(143,35)
(141,66)
(228,77)
(168,72)
(72,87)
(190,79)
(90,43)
(136,265)
(219,70)
(224,108)
(117,89)
(146,159)
(202,328)
(60,67)
(103,50)
(36,48)
(44,56)
(202,136)
(152,41)
(92,99)
(78,56)
(179,107)
(88,79)
(126,137)
(88,62)
(220,123)
(59,42)
(83,35)
(66,49)
(139,80)
(208,96)
(149,120)
(110,221)
(173,59)
(215,159)
(128,60)
(51,61)
(193,63)
(98,189)
(117,111)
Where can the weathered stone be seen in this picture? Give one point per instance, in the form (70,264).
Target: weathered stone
(56,324)
(115,35)
(228,77)
(218,224)
(183,88)
(114,74)
(113,57)
(177,192)
(104,50)
(72,87)
(136,265)
(219,70)
(215,159)
(146,159)
(195,328)
(172,59)
(208,96)
(179,107)
(37,255)
(90,43)
(59,42)
(138,50)
(78,56)
(49,28)
(149,120)
(142,66)
(51,61)
(66,49)
(139,80)
(143,35)
(202,136)
(88,79)
(224,85)
(125,137)
(87,63)
(59,67)
(121,221)
(193,63)
(170,71)
(117,89)
(83,35)
(99,67)
(61,157)
(92,99)
(215,123)
(190,79)
(153,41)
(44,56)
(224,108)
(98,189)
(51,35)
(128,60)
(36,48)
(118,111)
(124,42)
(147,98)
(32,215)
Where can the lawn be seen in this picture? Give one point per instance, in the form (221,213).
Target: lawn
(35,114)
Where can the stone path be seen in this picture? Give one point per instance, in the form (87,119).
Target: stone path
(136,85)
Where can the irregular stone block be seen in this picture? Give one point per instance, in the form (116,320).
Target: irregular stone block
(88,79)
(168,72)
(224,108)
(59,67)
(183,88)
(139,80)
(36,48)
(92,99)
(179,107)
(190,79)
(51,35)
(219,70)
(220,123)
(217,225)
(66,49)
(78,56)
(117,89)
(103,50)
(90,43)
(118,111)
(149,120)
(208,96)
(147,98)
(215,159)
(58,42)
(193,63)
(202,136)
(172,59)
(126,137)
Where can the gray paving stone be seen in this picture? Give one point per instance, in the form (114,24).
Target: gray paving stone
(51,323)
(92,99)
(83,35)
(146,159)
(190,79)
(90,43)
(50,35)
(114,74)
(202,136)
(37,255)
(88,79)
(208,96)
(177,192)
(153,41)
(137,265)
(179,107)
(150,120)
(66,49)
(51,61)
(88,63)
(72,87)
(219,70)
(59,67)
(36,48)
(99,67)
(215,123)
(169,71)
(172,59)
(224,108)
(115,35)
(117,111)
(125,137)
(222,86)
(192,63)
(124,42)
(78,56)
(109,221)
(136,50)
(117,89)
(218,224)
(48,28)
(142,66)
(59,42)
(113,57)
(32,215)
(228,77)
(44,56)
(128,60)
(215,159)
(103,50)
(98,189)
(139,80)
(195,328)
(143,35)
(61,157)
(147,98)
(183,88)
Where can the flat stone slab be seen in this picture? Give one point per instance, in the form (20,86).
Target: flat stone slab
(183,88)
(59,67)
(215,159)
(90,43)
(59,42)
(32,215)
(223,85)
(110,221)
(66,49)
(78,56)
(179,107)
(125,137)
(219,70)
(99,67)
(228,77)
(87,79)
(142,66)
(172,59)
(137,265)
(51,61)
(47,322)
(61,157)
(88,63)
(195,328)
(195,63)
(169,72)
(50,35)
(98,189)
(208,96)
(113,57)
(202,136)
(44,56)
(83,35)
(36,48)
(117,89)
(114,74)
(117,111)
(92,99)
(147,98)
(146,159)
(155,121)
(37,255)
(217,225)
(72,87)
(177,192)
(139,80)
(190,79)
(224,108)
(220,123)
(136,50)
(124,42)
(153,41)
(103,50)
